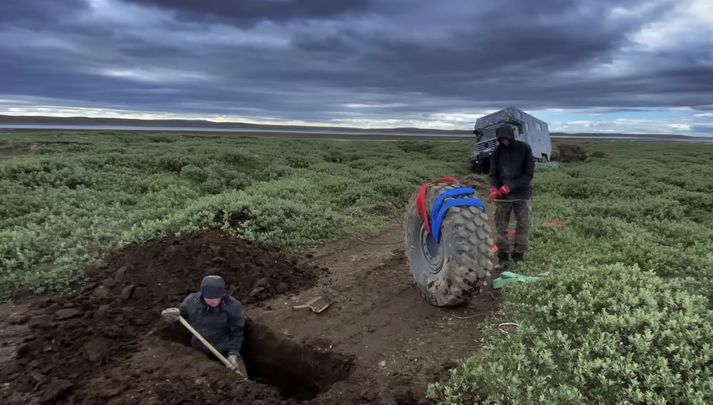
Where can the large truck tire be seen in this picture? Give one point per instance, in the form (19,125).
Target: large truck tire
(457,269)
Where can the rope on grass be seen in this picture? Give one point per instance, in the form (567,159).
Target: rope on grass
(507,324)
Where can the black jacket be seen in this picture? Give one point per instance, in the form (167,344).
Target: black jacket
(221,326)
(515,167)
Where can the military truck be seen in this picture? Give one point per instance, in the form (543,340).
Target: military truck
(527,129)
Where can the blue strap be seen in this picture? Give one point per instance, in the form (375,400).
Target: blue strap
(458,202)
(456,192)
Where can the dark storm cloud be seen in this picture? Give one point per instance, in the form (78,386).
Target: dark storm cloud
(250,11)
(34,11)
(325,60)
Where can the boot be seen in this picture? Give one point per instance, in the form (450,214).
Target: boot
(518,257)
(503,258)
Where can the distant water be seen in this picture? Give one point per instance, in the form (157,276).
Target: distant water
(344,132)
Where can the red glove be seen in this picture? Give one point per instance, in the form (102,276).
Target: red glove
(504,190)
(494,194)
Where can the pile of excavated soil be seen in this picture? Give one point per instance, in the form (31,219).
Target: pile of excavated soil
(570,153)
(100,333)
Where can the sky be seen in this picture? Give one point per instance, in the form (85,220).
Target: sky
(583,66)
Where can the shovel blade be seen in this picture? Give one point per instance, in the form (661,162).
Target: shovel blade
(316,304)
(320,305)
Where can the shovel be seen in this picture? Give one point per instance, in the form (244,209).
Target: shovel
(316,304)
(210,347)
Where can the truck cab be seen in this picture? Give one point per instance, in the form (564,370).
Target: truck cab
(527,129)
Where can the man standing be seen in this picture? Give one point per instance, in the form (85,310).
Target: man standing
(216,316)
(511,170)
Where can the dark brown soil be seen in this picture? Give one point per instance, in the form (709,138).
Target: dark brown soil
(379,342)
(17,150)
(570,153)
(172,268)
(72,337)
(166,372)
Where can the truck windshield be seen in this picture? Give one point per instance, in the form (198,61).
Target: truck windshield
(487,134)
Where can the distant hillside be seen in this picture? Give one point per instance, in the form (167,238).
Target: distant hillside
(161,125)
(589,135)
(87,121)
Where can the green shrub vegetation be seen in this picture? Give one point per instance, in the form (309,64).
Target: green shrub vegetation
(76,196)
(624,315)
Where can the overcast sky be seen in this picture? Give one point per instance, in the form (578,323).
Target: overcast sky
(582,65)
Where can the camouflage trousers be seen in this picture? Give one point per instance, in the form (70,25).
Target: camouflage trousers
(523,216)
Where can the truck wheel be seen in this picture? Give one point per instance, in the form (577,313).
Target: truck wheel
(454,271)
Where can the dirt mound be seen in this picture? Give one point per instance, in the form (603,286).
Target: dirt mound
(100,328)
(173,267)
(570,153)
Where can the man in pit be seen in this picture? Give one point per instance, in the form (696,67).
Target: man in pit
(217,316)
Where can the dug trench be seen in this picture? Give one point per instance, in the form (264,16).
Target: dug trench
(378,342)
(299,372)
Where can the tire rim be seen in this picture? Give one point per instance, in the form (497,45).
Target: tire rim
(431,251)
